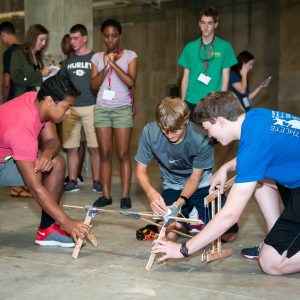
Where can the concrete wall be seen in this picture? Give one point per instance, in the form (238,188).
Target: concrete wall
(267,28)
(58,17)
(158,37)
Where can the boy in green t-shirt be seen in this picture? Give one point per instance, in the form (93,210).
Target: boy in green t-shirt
(206,62)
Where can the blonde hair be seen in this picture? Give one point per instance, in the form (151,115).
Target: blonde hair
(172,114)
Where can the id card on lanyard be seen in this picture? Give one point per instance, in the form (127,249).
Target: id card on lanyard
(108,94)
(205,79)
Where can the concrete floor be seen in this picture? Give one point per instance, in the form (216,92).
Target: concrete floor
(116,270)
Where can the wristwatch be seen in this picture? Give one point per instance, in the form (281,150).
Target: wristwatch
(184,250)
(184,198)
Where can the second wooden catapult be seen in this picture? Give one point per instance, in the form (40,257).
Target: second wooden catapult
(214,200)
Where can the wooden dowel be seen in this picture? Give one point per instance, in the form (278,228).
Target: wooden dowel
(93,239)
(192,221)
(214,194)
(79,243)
(219,246)
(152,256)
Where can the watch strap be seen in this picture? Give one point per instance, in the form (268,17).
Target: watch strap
(184,250)
(184,198)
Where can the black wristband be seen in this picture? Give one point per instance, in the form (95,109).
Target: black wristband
(184,198)
(184,250)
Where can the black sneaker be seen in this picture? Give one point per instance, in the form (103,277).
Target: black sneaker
(251,253)
(79,179)
(102,201)
(71,186)
(125,202)
(97,187)
(66,180)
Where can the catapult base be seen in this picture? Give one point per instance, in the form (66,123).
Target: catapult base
(212,256)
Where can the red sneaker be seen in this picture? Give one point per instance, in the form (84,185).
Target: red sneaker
(53,236)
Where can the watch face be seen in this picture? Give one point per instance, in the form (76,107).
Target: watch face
(184,250)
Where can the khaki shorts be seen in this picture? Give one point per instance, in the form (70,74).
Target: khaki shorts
(80,117)
(119,117)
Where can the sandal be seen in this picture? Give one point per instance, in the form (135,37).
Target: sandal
(19,191)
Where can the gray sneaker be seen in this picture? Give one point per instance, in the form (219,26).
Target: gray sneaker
(72,186)
(97,187)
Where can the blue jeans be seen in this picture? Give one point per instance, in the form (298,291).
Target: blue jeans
(10,175)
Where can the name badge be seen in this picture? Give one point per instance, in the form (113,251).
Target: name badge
(204,79)
(109,95)
(246,102)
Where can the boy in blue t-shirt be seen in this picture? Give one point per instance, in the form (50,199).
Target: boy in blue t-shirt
(268,149)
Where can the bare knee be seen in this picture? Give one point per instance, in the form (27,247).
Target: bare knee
(94,151)
(124,157)
(105,156)
(171,236)
(268,265)
(59,164)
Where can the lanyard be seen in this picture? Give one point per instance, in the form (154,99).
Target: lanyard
(202,47)
(111,69)
(109,77)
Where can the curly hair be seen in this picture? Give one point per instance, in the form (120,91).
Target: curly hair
(111,22)
(58,87)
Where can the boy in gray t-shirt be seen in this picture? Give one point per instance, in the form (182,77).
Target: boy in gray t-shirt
(185,157)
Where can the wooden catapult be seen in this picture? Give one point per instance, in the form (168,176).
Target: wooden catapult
(144,216)
(214,199)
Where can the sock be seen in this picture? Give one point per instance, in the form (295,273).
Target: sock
(46,220)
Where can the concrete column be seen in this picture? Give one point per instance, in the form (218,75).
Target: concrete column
(58,17)
(289,73)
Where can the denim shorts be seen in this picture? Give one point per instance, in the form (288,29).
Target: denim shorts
(10,175)
(119,117)
(196,200)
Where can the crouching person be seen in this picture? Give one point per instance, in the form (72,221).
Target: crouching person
(23,122)
(185,158)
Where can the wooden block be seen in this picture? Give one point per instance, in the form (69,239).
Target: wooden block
(212,256)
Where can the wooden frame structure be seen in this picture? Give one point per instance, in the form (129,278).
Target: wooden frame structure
(216,252)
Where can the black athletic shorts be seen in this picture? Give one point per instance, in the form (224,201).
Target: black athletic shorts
(285,234)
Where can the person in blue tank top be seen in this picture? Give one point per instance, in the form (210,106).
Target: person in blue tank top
(238,81)
(269,146)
